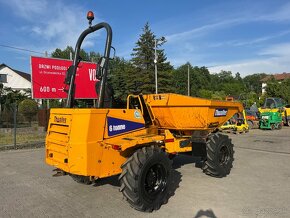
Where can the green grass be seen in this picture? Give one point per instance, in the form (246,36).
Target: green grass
(21,138)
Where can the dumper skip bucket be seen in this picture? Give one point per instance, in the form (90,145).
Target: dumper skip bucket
(179,112)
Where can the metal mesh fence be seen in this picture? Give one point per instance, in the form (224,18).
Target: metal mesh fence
(18,130)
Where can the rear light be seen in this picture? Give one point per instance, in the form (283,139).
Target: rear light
(169,140)
(116,147)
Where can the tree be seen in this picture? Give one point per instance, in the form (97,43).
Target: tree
(180,78)
(238,77)
(233,89)
(221,78)
(280,90)
(143,61)
(219,95)
(253,82)
(28,108)
(199,79)
(120,69)
(204,93)
(10,96)
(65,54)
(251,98)
(226,76)
(286,90)
(7,101)
(224,81)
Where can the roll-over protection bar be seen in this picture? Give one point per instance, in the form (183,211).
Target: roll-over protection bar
(77,58)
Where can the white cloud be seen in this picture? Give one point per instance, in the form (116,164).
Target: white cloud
(279,50)
(267,65)
(271,59)
(282,14)
(202,30)
(27,8)
(236,43)
(50,25)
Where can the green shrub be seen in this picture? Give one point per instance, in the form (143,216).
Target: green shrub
(28,108)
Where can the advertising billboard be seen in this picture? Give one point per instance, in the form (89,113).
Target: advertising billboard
(48,74)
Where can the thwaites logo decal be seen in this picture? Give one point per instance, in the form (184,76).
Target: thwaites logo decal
(118,126)
(220,112)
(59,119)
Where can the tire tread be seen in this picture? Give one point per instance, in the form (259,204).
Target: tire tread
(130,175)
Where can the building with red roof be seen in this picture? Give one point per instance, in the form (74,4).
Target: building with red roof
(279,77)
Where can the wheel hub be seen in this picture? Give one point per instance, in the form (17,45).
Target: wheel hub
(224,155)
(155,180)
(151,178)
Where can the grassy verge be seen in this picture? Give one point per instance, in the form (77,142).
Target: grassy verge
(21,138)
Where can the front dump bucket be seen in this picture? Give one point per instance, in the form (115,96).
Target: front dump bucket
(173,111)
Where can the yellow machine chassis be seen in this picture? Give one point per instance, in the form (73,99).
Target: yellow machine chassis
(84,142)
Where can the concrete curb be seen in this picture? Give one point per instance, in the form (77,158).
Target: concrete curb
(22,146)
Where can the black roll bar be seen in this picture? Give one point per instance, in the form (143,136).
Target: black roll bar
(71,91)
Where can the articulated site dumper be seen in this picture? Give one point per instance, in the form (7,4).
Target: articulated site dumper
(136,142)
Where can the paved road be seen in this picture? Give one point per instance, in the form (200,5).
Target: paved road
(258,186)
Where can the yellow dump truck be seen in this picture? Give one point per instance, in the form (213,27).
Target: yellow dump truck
(237,123)
(136,142)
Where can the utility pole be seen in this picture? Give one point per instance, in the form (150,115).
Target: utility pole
(188,81)
(47,101)
(155,63)
(14,122)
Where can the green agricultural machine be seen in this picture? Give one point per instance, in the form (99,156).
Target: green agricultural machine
(277,105)
(271,120)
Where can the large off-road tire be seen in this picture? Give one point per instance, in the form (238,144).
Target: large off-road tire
(81,179)
(145,178)
(220,155)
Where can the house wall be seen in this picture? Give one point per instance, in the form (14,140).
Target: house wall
(264,88)
(14,80)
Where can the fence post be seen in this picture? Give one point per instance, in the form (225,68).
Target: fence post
(1,88)
(15,122)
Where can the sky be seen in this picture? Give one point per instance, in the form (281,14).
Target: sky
(240,36)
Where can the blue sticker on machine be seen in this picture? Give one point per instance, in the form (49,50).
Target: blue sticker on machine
(220,112)
(118,126)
